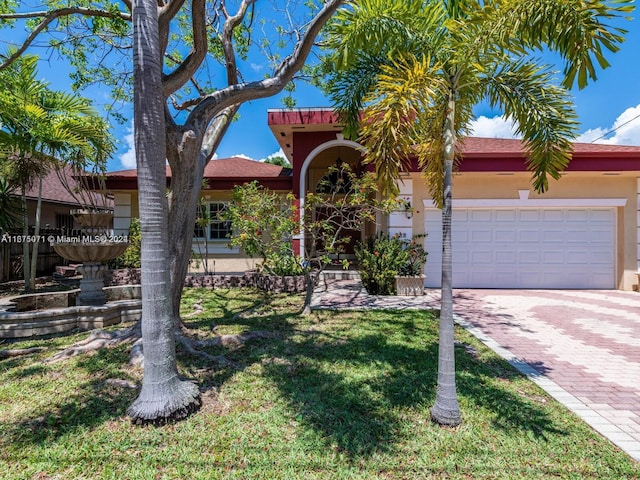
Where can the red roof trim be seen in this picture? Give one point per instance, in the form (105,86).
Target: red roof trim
(301,116)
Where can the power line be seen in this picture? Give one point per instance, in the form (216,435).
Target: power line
(614,129)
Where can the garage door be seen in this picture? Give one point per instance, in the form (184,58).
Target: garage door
(525,247)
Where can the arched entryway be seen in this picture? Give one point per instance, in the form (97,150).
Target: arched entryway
(317,176)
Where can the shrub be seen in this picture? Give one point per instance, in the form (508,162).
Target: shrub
(263,225)
(382,257)
(416,258)
(130,258)
(282,263)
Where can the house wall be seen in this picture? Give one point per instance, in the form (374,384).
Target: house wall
(217,254)
(578,185)
(48,212)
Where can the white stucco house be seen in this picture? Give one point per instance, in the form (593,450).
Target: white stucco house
(584,232)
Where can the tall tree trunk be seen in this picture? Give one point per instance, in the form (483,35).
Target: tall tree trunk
(446,410)
(25,246)
(36,233)
(163,396)
(187,171)
(188,155)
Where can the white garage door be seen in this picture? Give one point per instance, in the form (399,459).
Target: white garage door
(525,247)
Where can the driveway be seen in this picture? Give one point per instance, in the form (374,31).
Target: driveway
(582,347)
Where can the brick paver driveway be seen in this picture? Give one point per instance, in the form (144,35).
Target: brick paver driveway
(586,342)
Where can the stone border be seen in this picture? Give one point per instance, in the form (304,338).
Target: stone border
(270,283)
(57,320)
(122,276)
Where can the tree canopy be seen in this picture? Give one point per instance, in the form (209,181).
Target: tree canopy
(191,74)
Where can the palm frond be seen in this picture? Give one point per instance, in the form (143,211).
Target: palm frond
(376,26)
(543,112)
(349,89)
(580,31)
(402,96)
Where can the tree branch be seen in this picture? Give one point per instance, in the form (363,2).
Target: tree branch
(216,130)
(168,11)
(50,16)
(227,40)
(181,75)
(239,93)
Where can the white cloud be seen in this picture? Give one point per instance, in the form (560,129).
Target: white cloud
(279,153)
(128,158)
(626,130)
(591,135)
(242,155)
(496,127)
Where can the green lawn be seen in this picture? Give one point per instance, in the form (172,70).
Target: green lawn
(337,395)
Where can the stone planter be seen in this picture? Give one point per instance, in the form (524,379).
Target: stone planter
(91,249)
(410,285)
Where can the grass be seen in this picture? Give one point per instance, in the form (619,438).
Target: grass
(337,395)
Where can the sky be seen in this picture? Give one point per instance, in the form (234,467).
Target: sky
(610,104)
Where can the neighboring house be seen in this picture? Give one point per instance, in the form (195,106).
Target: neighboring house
(583,233)
(55,219)
(57,202)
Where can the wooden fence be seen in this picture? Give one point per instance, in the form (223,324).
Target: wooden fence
(11,245)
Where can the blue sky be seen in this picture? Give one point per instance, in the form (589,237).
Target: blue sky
(605,105)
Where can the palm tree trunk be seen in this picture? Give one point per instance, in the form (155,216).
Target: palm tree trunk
(163,396)
(446,410)
(25,246)
(36,233)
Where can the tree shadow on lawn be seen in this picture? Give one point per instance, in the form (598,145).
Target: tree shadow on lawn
(90,404)
(15,372)
(356,393)
(218,311)
(353,390)
(94,401)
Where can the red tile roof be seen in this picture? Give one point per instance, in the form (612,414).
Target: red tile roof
(479,155)
(506,155)
(227,172)
(472,146)
(234,167)
(53,190)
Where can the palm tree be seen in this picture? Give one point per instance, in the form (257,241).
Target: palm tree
(408,73)
(163,395)
(41,129)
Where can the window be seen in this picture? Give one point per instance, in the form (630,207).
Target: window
(209,226)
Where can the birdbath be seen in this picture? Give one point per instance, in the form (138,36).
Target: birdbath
(92,248)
